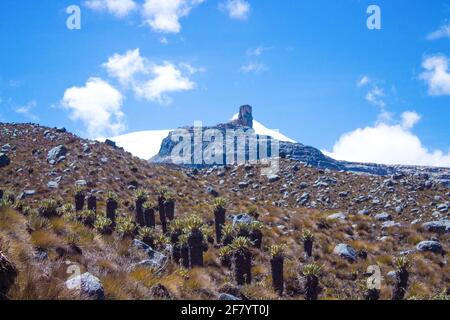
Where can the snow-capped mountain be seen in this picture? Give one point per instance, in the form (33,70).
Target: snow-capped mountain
(146,144)
(142,144)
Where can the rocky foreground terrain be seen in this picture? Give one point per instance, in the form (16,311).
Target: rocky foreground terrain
(82,219)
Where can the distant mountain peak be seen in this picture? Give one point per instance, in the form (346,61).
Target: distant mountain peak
(244,117)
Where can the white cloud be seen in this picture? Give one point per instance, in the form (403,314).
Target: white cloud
(388,144)
(436,75)
(442,32)
(98,105)
(167,78)
(364,80)
(410,119)
(375,96)
(150,80)
(164,15)
(25,110)
(118,8)
(254,67)
(256,52)
(125,67)
(236,9)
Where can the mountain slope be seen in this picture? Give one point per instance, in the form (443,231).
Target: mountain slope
(381,218)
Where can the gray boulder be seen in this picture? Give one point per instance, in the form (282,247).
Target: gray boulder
(303,199)
(228,297)
(337,216)
(156,260)
(383,216)
(432,246)
(55,154)
(6,148)
(52,185)
(442,226)
(110,143)
(345,251)
(4,160)
(212,191)
(241,219)
(390,224)
(88,285)
(273,178)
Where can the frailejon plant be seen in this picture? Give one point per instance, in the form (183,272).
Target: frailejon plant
(196,243)
(147,235)
(308,240)
(48,208)
(242,260)
(162,191)
(9,197)
(176,230)
(219,217)
(169,205)
(184,250)
(256,234)
(111,207)
(228,234)
(88,217)
(141,197)
(277,254)
(126,228)
(92,202)
(208,234)
(149,214)
(67,209)
(225,255)
(401,278)
(243,230)
(311,272)
(79,198)
(103,224)
(161,242)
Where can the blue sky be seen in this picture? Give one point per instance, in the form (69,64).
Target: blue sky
(311,69)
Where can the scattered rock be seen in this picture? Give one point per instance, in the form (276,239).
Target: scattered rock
(156,260)
(212,191)
(442,226)
(337,216)
(6,148)
(110,143)
(52,185)
(243,185)
(273,178)
(228,297)
(390,224)
(88,285)
(86,148)
(303,185)
(383,216)
(56,154)
(432,246)
(4,160)
(81,183)
(241,219)
(303,199)
(345,251)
